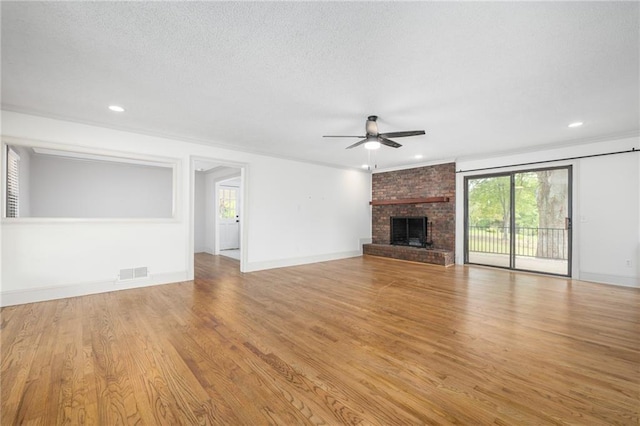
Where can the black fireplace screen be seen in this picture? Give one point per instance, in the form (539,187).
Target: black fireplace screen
(410,231)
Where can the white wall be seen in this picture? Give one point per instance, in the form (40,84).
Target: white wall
(294,213)
(76,188)
(306,209)
(199,213)
(608,221)
(606,206)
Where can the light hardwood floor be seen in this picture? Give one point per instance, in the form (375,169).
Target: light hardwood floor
(356,341)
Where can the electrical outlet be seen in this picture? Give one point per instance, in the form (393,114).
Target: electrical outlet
(628,263)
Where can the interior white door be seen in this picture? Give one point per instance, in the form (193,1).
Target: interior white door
(229,217)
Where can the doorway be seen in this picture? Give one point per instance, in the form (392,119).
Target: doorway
(228,208)
(207,176)
(520,220)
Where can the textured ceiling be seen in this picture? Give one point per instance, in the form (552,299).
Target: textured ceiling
(480,78)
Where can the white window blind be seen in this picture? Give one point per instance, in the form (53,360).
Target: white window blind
(13,199)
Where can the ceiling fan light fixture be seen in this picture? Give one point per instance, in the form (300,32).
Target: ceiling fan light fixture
(374,139)
(372,144)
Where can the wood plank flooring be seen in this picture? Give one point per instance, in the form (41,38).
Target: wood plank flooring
(357,341)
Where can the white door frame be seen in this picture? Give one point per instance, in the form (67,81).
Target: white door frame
(244,212)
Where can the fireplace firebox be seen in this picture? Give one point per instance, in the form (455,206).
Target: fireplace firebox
(410,231)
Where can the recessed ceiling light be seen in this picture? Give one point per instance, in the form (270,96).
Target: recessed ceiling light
(365,166)
(418,156)
(116,108)
(576,124)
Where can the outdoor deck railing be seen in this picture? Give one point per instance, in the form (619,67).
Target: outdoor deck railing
(547,243)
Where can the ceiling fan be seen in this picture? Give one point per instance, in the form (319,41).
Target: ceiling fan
(373,139)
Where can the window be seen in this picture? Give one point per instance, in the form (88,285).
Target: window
(13,193)
(228,203)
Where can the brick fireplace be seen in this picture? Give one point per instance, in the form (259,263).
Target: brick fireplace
(425,191)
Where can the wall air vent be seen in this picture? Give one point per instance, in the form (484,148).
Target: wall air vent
(125,274)
(133,273)
(140,272)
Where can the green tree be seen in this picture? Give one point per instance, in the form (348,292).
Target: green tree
(489,203)
(490,198)
(551,200)
(526,185)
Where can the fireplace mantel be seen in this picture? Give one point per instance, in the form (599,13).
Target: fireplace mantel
(410,201)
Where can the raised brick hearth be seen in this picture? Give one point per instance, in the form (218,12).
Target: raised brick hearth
(414,254)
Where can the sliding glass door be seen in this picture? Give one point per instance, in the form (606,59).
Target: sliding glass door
(488,230)
(520,220)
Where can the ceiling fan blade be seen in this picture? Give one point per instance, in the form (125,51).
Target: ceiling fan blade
(357,144)
(402,134)
(342,136)
(388,142)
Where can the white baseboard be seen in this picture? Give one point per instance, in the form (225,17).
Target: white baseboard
(283,263)
(19,297)
(610,279)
